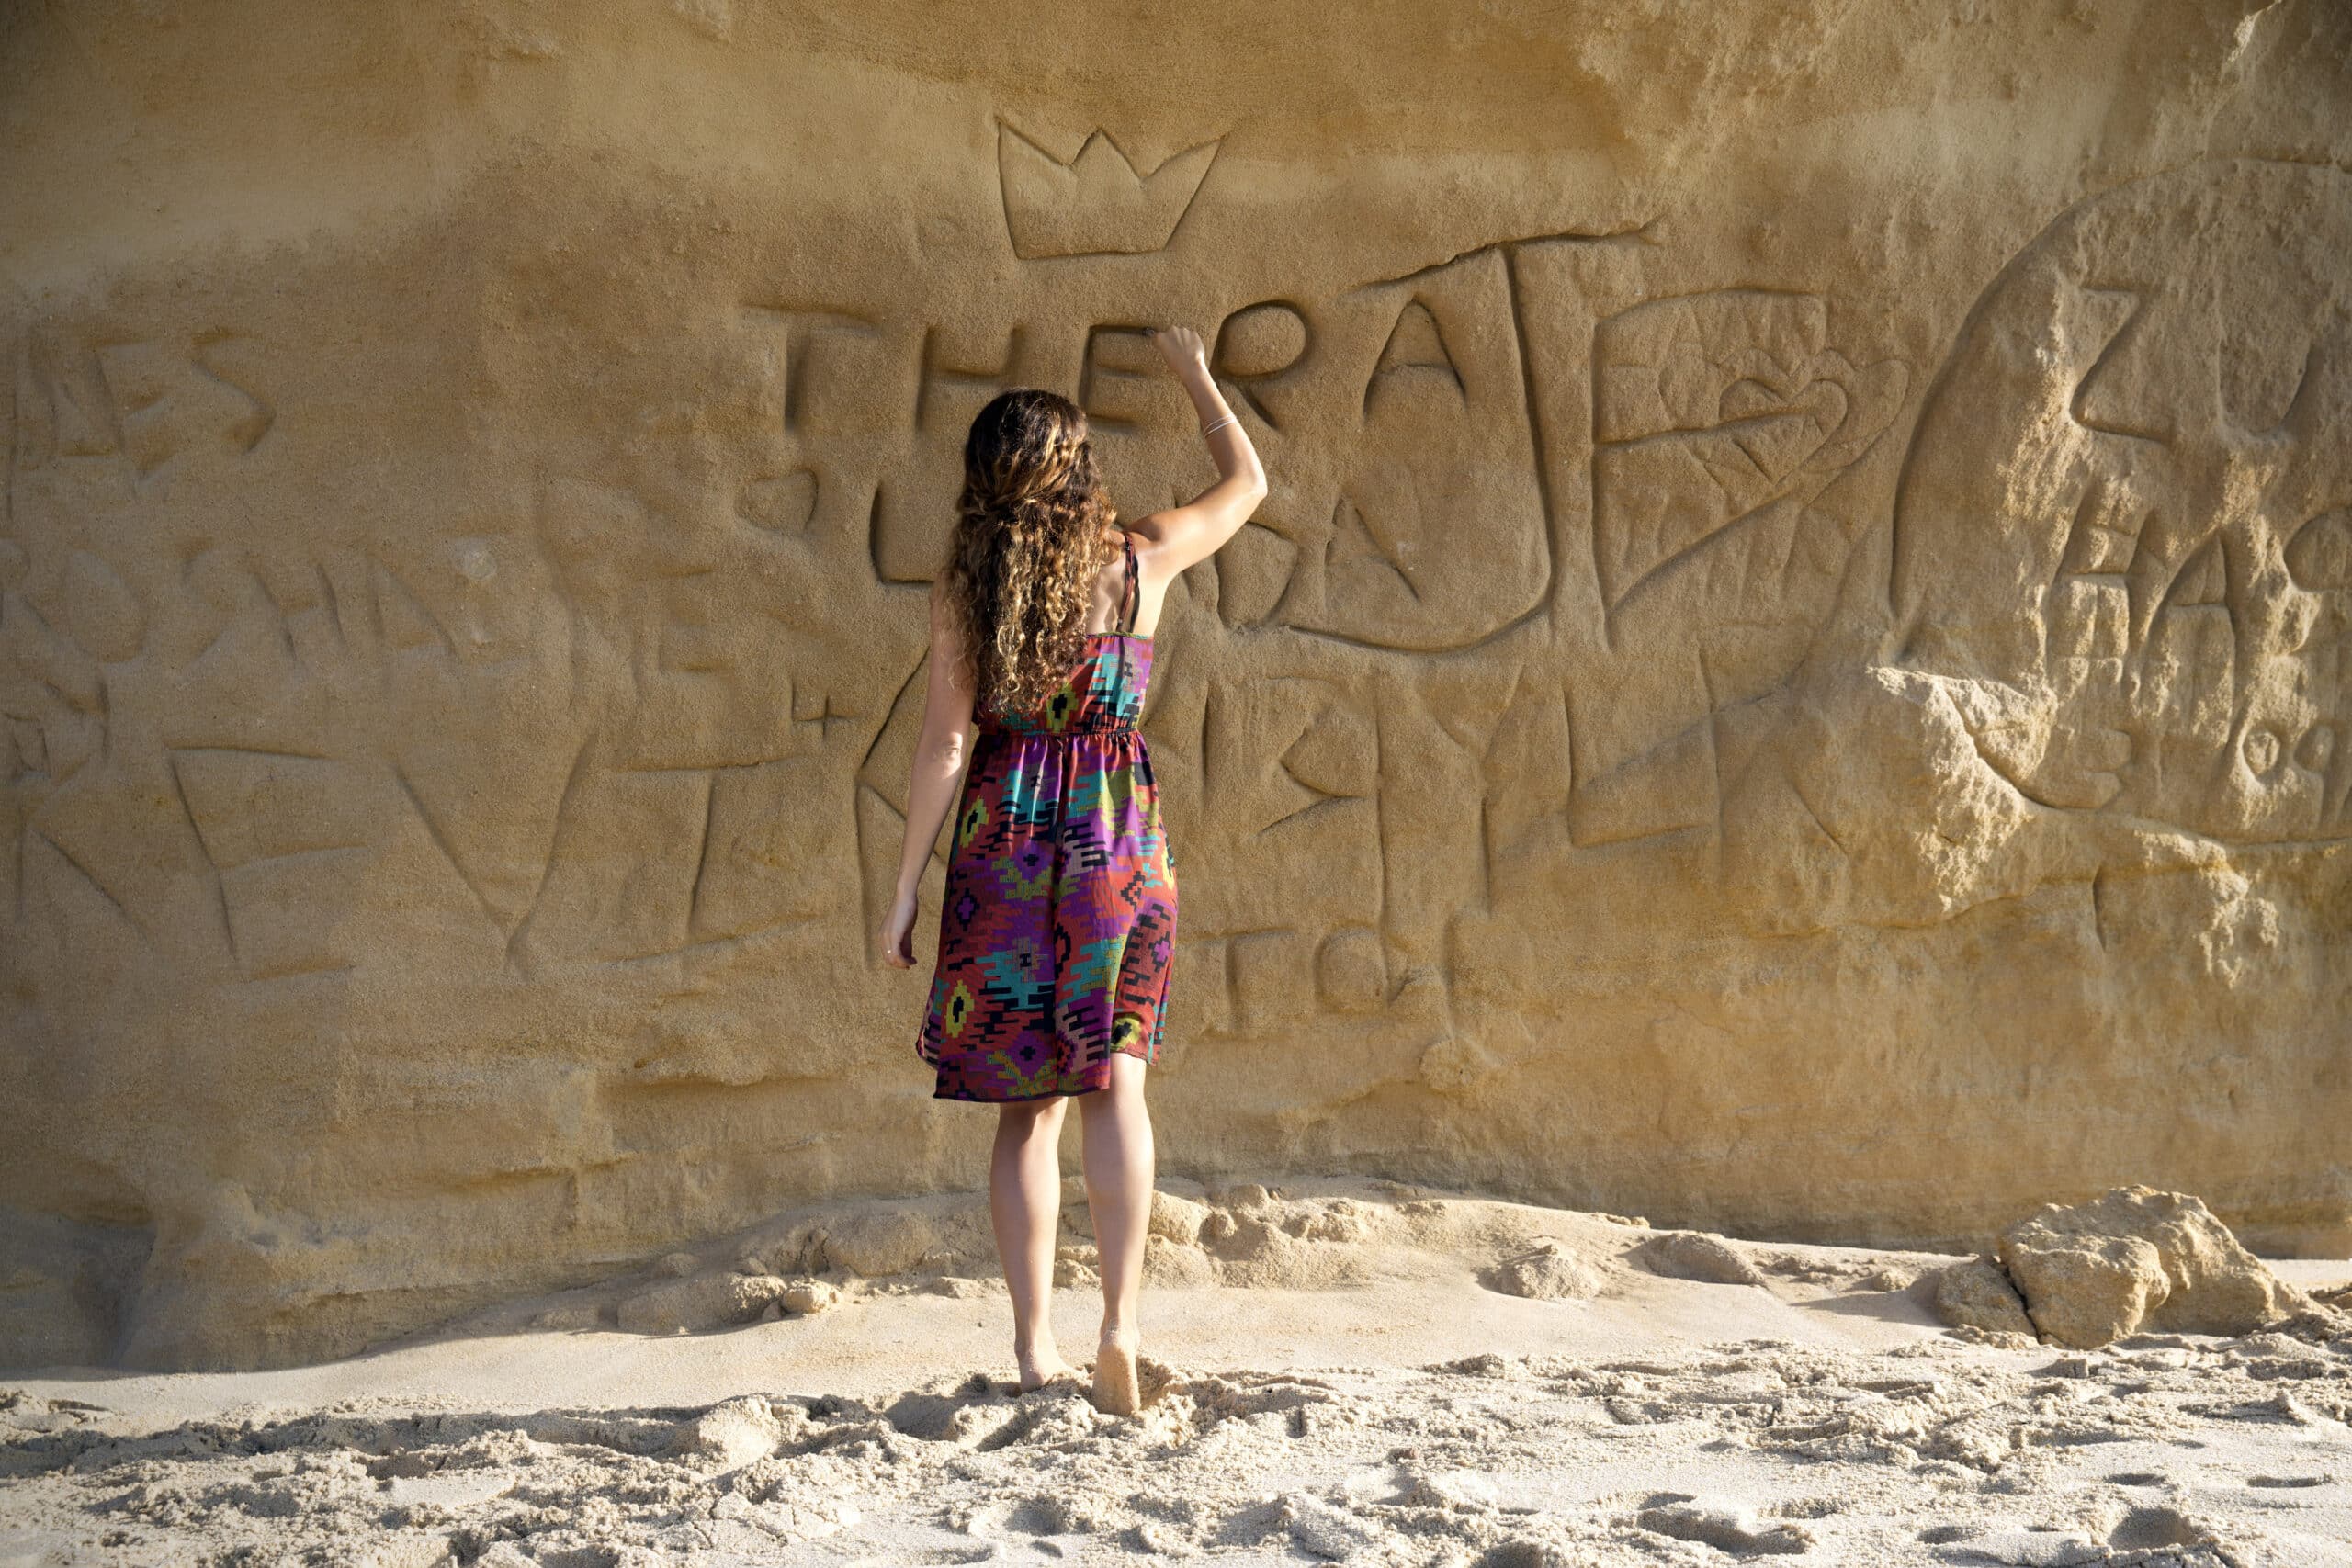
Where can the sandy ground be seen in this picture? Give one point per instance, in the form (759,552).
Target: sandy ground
(1346,1375)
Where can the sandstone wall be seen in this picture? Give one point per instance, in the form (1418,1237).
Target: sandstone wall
(1793,677)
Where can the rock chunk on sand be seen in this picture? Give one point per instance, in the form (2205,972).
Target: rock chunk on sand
(1178,1219)
(1976,1294)
(2134,1260)
(807,1296)
(699,1301)
(705,1302)
(878,1242)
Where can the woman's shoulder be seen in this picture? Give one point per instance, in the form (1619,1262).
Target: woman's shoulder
(1141,535)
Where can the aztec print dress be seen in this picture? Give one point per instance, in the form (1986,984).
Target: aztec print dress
(1058,924)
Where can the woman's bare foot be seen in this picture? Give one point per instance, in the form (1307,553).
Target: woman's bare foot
(1041,1366)
(1117,1390)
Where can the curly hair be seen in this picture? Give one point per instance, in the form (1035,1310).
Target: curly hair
(1028,541)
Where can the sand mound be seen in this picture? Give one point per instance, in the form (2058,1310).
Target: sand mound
(1694,1255)
(2134,1261)
(1547,1271)
(1246,1236)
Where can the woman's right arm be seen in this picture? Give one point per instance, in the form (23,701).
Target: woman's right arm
(942,748)
(1185,535)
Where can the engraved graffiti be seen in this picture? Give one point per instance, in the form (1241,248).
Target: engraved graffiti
(2124,504)
(1096,202)
(1717,414)
(141,401)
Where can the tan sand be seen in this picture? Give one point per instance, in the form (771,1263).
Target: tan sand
(1404,1412)
(1792,676)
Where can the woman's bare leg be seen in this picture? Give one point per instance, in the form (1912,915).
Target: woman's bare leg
(1118,1165)
(1025,1203)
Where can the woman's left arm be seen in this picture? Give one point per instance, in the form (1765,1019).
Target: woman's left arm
(940,754)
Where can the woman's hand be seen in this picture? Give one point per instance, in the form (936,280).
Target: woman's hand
(896,943)
(1181,346)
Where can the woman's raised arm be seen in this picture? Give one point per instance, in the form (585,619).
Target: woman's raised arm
(1171,540)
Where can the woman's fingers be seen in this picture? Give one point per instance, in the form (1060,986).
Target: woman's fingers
(1177,344)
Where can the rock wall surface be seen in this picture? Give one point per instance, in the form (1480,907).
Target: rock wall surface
(1793,678)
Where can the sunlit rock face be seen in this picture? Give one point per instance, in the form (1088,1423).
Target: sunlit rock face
(1793,678)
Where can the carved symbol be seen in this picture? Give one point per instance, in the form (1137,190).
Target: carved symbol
(1351,970)
(1403,557)
(1284,751)
(2089,401)
(1715,411)
(2319,557)
(1095,376)
(896,553)
(1257,344)
(780,505)
(933,369)
(1415,343)
(880,822)
(274,827)
(1394,556)
(804,330)
(819,710)
(105,616)
(1097,203)
(72,407)
(1253,570)
(146,402)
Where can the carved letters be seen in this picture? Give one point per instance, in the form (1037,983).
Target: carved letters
(2126,500)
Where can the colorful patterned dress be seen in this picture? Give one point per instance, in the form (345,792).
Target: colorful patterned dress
(1058,924)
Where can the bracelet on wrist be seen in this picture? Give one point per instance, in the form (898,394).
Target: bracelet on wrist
(1220,424)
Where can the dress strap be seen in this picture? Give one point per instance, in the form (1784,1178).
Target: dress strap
(1131,597)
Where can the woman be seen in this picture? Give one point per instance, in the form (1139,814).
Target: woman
(1058,922)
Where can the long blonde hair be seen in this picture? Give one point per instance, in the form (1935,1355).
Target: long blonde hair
(1028,542)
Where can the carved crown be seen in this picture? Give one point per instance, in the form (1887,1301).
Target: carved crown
(1097,203)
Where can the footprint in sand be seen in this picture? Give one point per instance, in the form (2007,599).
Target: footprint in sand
(1735,1530)
(2148,1528)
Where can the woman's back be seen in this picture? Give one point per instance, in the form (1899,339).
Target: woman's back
(1122,601)
(1105,690)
